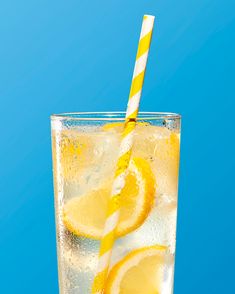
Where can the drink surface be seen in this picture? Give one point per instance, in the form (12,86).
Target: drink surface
(84,160)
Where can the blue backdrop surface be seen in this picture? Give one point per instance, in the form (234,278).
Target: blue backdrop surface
(60,56)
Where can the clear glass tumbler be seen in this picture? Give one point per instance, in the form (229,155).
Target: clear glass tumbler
(85,151)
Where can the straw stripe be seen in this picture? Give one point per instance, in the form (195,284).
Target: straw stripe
(126,143)
(127,130)
(133,114)
(146,25)
(115,199)
(103,261)
(113,212)
(105,245)
(122,162)
(137,83)
(140,64)
(144,44)
(110,223)
(134,104)
(119,184)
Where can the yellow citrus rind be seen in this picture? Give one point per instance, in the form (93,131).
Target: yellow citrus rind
(86,215)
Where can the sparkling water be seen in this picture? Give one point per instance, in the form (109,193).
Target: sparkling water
(84,157)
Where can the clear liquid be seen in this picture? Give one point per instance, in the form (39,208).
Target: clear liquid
(92,163)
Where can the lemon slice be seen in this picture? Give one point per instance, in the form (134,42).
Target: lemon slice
(141,271)
(86,215)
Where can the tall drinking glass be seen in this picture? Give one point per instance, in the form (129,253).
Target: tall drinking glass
(85,150)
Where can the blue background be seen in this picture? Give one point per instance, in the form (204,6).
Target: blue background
(78,55)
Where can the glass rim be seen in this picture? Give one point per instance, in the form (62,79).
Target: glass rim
(112,115)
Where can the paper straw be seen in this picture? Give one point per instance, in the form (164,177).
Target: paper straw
(112,219)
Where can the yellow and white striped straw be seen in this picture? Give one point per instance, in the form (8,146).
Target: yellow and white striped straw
(112,219)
